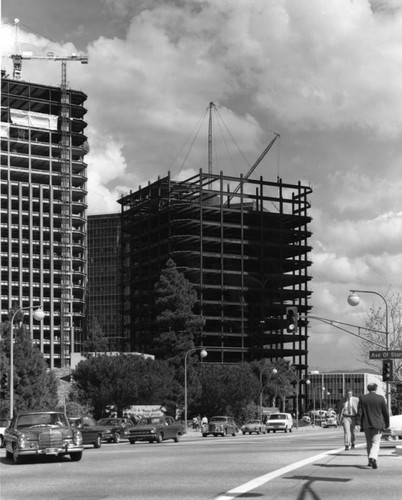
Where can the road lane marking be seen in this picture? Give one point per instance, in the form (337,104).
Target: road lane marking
(259,481)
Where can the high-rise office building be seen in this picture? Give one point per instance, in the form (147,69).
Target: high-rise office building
(43,212)
(104,297)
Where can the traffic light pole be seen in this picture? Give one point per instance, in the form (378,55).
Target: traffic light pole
(337,324)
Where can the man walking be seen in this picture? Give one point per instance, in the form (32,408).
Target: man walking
(348,419)
(374,418)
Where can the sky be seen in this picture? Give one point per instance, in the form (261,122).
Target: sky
(324,74)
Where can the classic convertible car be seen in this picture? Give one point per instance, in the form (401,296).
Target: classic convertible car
(33,433)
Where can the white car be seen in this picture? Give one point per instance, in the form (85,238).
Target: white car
(3,426)
(395,427)
(280,422)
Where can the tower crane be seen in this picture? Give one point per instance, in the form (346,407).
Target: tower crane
(66,293)
(19,56)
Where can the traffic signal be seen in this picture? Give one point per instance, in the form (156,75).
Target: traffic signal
(4,381)
(387,370)
(292,319)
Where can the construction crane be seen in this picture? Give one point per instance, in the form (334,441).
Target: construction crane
(66,295)
(19,56)
(255,165)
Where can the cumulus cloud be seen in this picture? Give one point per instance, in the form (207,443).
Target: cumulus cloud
(325,75)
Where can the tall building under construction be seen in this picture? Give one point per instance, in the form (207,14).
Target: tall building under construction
(243,243)
(43,212)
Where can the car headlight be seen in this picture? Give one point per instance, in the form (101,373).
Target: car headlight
(22,441)
(153,430)
(77,438)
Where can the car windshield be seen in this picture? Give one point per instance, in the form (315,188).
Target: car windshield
(109,421)
(278,416)
(150,421)
(218,419)
(252,422)
(34,419)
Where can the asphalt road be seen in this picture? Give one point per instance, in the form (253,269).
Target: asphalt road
(273,466)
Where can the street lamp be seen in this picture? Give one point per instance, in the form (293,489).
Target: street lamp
(354,300)
(203,354)
(38,315)
(307,382)
(314,389)
(273,372)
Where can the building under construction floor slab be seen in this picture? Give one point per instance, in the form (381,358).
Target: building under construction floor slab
(243,243)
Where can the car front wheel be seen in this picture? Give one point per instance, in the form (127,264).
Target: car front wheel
(176,439)
(116,438)
(16,457)
(98,442)
(159,438)
(76,456)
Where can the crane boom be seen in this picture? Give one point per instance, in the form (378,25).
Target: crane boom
(255,165)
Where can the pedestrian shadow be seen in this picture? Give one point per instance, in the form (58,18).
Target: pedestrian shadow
(343,466)
(307,490)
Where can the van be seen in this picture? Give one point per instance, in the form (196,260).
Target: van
(280,422)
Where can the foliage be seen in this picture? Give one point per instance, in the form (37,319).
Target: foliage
(226,390)
(95,342)
(375,319)
(35,387)
(175,300)
(123,380)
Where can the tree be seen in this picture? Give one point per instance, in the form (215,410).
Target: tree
(35,387)
(175,300)
(227,389)
(375,319)
(95,343)
(123,380)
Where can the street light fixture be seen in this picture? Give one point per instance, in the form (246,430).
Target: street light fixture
(203,354)
(354,300)
(307,382)
(274,371)
(38,315)
(314,389)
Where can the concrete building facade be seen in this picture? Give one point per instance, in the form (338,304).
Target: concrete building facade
(43,212)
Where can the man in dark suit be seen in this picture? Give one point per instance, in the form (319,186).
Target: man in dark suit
(374,418)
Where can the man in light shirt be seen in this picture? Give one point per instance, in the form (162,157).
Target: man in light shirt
(348,419)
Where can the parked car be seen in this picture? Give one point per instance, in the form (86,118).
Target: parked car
(254,426)
(115,428)
(156,430)
(394,431)
(33,433)
(220,426)
(280,422)
(3,426)
(92,432)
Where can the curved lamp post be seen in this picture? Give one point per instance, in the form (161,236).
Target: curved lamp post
(38,315)
(307,382)
(203,354)
(354,300)
(314,389)
(274,371)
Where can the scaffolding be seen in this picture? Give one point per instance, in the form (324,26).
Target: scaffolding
(244,249)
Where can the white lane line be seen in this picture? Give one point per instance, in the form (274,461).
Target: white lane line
(259,481)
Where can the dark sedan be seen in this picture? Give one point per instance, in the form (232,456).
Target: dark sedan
(92,432)
(115,428)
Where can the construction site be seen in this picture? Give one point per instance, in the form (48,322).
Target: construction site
(242,243)
(43,207)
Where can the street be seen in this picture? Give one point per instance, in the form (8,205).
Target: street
(273,466)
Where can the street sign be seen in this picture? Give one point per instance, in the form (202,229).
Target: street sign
(386,354)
